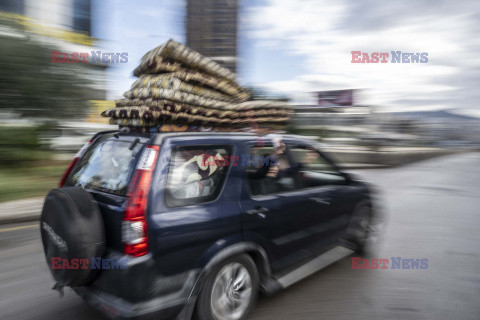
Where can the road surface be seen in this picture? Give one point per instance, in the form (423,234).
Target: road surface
(434,213)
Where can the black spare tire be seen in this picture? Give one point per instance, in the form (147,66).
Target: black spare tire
(72,229)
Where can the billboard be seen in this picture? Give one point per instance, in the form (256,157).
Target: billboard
(335,98)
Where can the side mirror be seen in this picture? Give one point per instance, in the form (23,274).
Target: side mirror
(347,177)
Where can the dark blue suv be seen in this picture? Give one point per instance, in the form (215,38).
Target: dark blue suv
(165,225)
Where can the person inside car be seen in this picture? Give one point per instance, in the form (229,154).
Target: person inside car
(280,165)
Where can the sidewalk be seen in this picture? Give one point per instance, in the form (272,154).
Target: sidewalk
(21,210)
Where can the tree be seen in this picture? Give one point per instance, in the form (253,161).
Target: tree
(32,86)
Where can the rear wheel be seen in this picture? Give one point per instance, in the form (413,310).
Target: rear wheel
(230,290)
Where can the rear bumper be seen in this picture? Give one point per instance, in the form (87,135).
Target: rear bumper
(117,308)
(139,291)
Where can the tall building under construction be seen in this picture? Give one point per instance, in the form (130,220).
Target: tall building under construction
(211,27)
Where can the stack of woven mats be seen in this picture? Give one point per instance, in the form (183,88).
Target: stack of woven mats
(177,85)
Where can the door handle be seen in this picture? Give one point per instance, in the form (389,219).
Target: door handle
(321,200)
(258,210)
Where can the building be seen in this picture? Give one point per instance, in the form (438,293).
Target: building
(67,15)
(211,27)
(63,25)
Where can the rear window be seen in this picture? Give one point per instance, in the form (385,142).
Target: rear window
(106,166)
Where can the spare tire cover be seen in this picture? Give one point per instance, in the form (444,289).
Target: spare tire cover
(72,228)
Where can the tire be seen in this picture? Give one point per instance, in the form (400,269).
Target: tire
(359,230)
(224,302)
(72,227)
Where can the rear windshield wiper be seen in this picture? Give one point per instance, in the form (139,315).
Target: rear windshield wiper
(134,143)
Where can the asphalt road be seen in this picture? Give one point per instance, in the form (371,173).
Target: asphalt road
(433,212)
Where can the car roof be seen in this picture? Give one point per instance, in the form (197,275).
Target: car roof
(160,137)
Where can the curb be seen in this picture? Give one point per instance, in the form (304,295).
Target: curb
(21,210)
(19,219)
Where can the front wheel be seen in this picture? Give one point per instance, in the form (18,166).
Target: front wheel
(230,290)
(360,235)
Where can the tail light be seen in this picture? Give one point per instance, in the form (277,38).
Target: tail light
(134,225)
(77,157)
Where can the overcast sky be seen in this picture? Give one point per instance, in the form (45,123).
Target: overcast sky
(295,47)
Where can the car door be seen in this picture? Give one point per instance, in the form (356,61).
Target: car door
(274,212)
(195,207)
(326,191)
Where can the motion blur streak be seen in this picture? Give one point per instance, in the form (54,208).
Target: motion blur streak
(433,211)
(19,228)
(413,129)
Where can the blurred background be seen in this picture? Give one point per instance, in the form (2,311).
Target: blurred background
(298,51)
(379,120)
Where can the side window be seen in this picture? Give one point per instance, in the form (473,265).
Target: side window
(196,174)
(269,171)
(313,169)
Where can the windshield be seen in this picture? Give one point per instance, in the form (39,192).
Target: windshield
(106,166)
